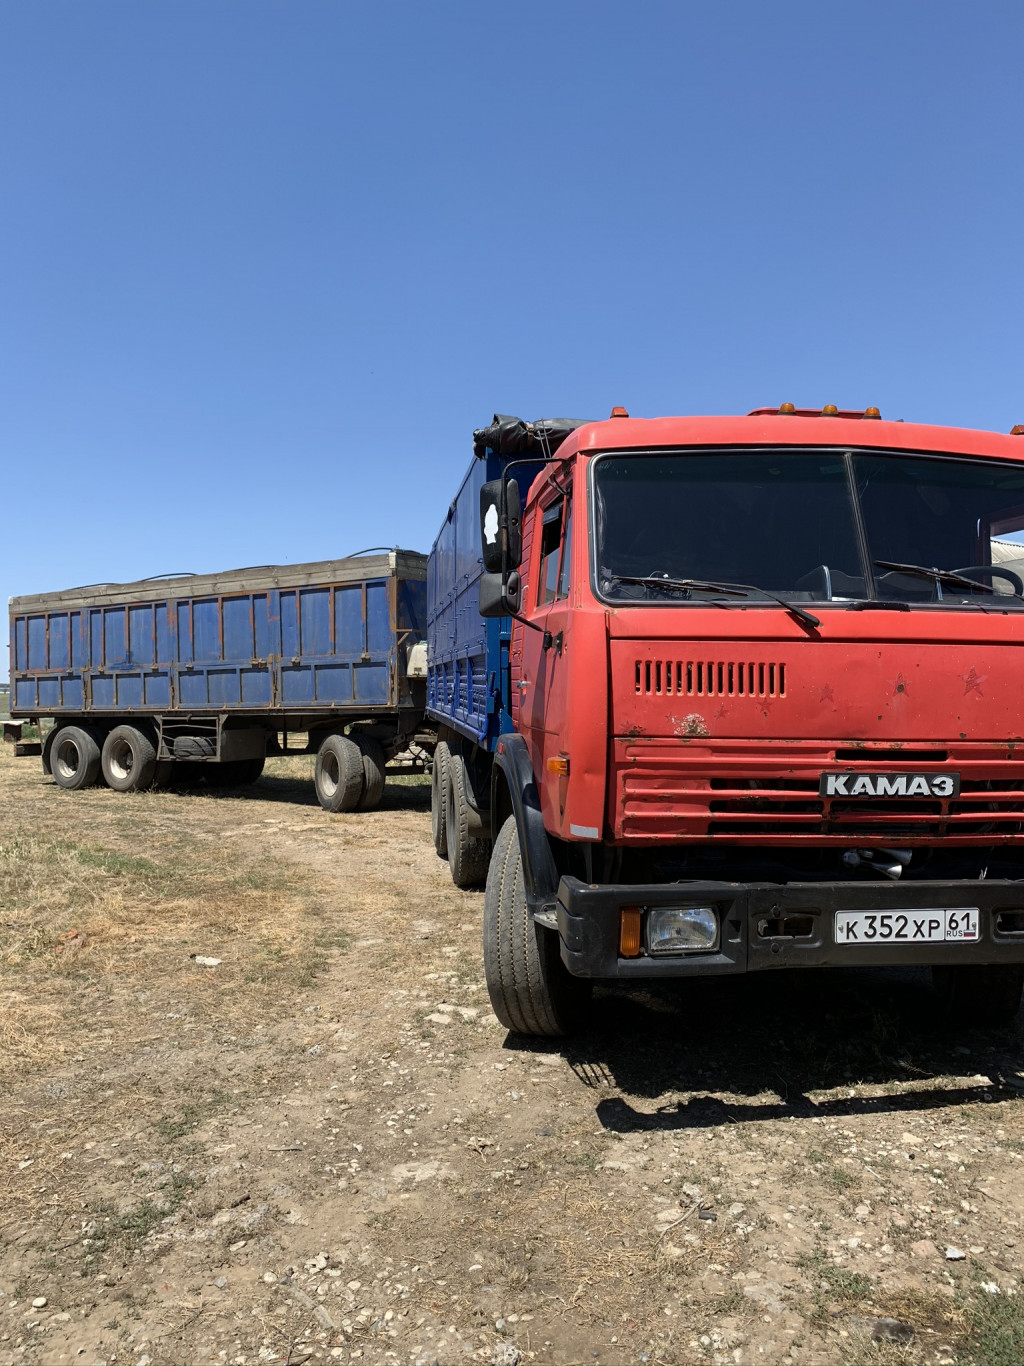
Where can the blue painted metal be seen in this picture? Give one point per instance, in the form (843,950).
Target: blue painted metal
(305,638)
(467,681)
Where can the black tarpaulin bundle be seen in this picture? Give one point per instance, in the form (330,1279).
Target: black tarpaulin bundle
(510,436)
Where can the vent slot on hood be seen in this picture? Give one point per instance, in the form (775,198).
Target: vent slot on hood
(709,678)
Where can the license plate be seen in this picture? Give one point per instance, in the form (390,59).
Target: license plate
(957,924)
(896,785)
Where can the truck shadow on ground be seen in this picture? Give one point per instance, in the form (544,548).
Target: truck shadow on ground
(300,792)
(765,1048)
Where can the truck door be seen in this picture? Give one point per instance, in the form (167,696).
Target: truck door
(543,681)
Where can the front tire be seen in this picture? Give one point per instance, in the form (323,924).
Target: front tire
(983,995)
(338,776)
(74,758)
(530,989)
(128,760)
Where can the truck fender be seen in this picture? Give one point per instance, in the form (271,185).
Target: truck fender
(514,790)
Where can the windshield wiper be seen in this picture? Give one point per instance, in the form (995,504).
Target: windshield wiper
(939,575)
(735,590)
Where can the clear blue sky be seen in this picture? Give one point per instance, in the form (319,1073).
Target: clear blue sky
(264,265)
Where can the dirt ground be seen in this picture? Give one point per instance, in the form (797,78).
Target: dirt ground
(325,1149)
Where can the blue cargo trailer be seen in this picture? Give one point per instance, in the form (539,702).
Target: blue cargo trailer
(467,655)
(215,672)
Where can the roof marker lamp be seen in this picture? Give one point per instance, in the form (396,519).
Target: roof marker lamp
(681,929)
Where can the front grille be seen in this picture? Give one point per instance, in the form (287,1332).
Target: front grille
(659,803)
(709,678)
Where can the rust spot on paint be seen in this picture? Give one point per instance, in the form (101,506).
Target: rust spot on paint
(826,694)
(690,726)
(900,686)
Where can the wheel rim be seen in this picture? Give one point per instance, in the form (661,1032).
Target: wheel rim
(68,759)
(330,773)
(121,760)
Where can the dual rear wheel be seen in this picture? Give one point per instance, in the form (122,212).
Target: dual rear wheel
(349,773)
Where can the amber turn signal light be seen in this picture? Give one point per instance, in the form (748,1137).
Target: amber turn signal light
(559,764)
(629,932)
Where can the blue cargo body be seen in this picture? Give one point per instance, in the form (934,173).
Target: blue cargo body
(219,670)
(305,638)
(467,677)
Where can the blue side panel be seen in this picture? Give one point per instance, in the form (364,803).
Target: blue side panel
(238,628)
(60,640)
(37,642)
(206,631)
(324,645)
(348,621)
(315,611)
(466,680)
(289,626)
(140,634)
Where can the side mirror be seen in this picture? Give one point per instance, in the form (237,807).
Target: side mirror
(500,599)
(501,528)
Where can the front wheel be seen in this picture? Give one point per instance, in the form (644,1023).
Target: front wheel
(983,994)
(530,989)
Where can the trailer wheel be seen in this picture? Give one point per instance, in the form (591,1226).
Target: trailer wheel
(128,760)
(531,992)
(74,758)
(439,798)
(986,994)
(373,772)
(468,856)
(338,776)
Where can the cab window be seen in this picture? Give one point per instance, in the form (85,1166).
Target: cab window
(550,546)
(563,577)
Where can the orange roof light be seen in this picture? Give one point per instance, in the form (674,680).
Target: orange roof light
(619,412)
(1018,430)
(830,410)
(872,412)
(787,407)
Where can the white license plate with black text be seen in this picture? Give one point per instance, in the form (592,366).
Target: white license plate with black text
(957,924)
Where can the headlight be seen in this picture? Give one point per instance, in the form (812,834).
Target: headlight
(681,929)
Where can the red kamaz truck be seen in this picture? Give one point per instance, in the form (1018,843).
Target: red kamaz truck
(765,683)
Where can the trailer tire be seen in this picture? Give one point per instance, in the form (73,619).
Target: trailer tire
(373,772)
(338,775)
(128,760)
(468,856)
(439,798)
(984,995)
(74,758)
(530,989)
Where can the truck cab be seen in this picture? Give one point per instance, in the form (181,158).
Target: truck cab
(764,703)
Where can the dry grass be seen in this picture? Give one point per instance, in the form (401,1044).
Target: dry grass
(101,896)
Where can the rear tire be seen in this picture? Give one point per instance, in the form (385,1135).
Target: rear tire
(468,856)
(373,772)
(439,799)
(128,760)
(531,992)
(983,995)
(338,776)
(74,758)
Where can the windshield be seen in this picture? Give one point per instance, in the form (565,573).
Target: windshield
(814,526)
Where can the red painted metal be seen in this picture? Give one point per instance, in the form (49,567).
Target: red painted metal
(707,725)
